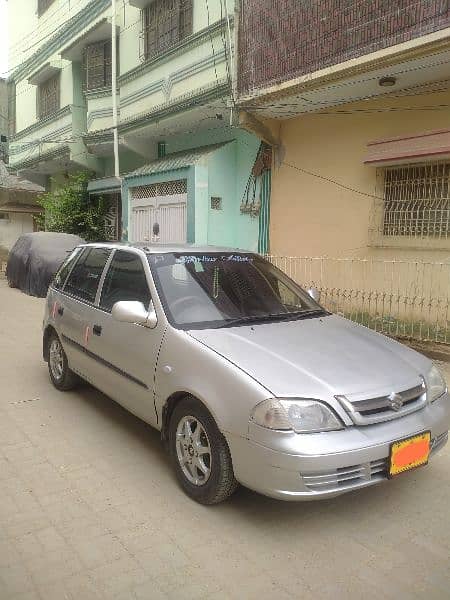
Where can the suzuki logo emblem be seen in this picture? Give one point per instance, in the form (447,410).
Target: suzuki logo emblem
(396,401)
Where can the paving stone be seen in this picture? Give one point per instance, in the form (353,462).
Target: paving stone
(90,510)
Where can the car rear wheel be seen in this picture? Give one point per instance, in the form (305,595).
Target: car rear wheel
(200,453)
(62,377)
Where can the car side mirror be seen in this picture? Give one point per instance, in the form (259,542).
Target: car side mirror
(132,311)
(314,293)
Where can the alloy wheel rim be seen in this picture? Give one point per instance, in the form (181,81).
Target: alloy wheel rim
(193,450)
(56,359)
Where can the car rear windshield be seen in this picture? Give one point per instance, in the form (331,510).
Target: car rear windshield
(200,291)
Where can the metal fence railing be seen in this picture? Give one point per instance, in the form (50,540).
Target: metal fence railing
(405,299)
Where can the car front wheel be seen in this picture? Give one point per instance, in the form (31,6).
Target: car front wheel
(62,377)
(200,453)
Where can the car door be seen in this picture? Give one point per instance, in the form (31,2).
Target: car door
(125,353)
(74,306)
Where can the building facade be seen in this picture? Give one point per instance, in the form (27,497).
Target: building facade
(186,168)
(354,98)
(3,120)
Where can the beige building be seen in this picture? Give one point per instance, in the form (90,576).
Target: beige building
(356,105)
(368,180)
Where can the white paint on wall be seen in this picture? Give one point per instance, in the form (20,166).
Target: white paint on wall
(12,228)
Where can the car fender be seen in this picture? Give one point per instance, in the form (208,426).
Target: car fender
(187,365)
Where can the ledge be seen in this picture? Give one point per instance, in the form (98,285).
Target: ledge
(419,147)
(44,73)
(99,93)
(99,32)
(43,157)
(190,42)
(64,35)
(220,89)
(62,112)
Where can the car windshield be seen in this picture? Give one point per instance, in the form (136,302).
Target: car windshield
(212,290)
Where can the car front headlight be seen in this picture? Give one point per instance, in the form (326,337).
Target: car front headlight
(299,415)
(436,385)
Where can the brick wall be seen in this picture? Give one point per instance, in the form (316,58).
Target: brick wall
(283,39)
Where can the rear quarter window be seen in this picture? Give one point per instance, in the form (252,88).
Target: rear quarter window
(85,277)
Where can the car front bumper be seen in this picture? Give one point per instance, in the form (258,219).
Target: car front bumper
(293,466)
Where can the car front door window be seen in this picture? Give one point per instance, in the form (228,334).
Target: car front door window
(85,277)
(125,280)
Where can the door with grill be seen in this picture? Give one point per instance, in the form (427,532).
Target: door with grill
(158,213)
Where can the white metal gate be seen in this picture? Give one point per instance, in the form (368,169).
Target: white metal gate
(158,213)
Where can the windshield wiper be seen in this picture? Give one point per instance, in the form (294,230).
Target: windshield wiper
(304,314)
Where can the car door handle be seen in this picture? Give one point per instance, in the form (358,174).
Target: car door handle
(97,330)
(61,311)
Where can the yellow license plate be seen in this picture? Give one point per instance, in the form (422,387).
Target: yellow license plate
(410,453)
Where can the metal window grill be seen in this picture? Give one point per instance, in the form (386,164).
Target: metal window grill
(164,24)
(49,97)
(165,188)
(216,203)
(98,65)
(417,201)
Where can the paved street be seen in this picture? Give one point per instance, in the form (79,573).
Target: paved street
(89,508)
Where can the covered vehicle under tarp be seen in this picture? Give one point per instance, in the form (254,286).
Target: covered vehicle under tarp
(35,258)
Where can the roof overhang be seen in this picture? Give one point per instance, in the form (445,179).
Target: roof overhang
(101,143)
(45,72)
(344,84)
(106,185)
(100,32)
(421,147)
(139,3)
(21,208)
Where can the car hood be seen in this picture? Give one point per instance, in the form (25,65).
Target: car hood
(318,357)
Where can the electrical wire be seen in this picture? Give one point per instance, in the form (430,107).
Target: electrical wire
(212,44)
(343,84)
(355,111)
(333,181)
(42,26)
(265,107)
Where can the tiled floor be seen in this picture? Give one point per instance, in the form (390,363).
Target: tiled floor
(89,508)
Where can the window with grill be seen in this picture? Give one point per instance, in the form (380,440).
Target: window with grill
(417,201)
(43,5)
(216,203)
(49,97)
(97,65)
(164,24)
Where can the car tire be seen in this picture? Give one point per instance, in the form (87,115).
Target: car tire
(62,377)
(202,458)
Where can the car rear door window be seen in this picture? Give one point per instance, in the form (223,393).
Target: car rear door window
(65,268)
(125,280)
(85,276)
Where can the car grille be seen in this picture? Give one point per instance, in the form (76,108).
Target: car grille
(366,411)
(359,475)
(347,476)
(439,441)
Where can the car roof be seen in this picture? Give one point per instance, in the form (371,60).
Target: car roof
(167,248)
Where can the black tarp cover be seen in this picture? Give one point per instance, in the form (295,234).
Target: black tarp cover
(35,258)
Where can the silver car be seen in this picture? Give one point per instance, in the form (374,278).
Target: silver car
(247,377)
